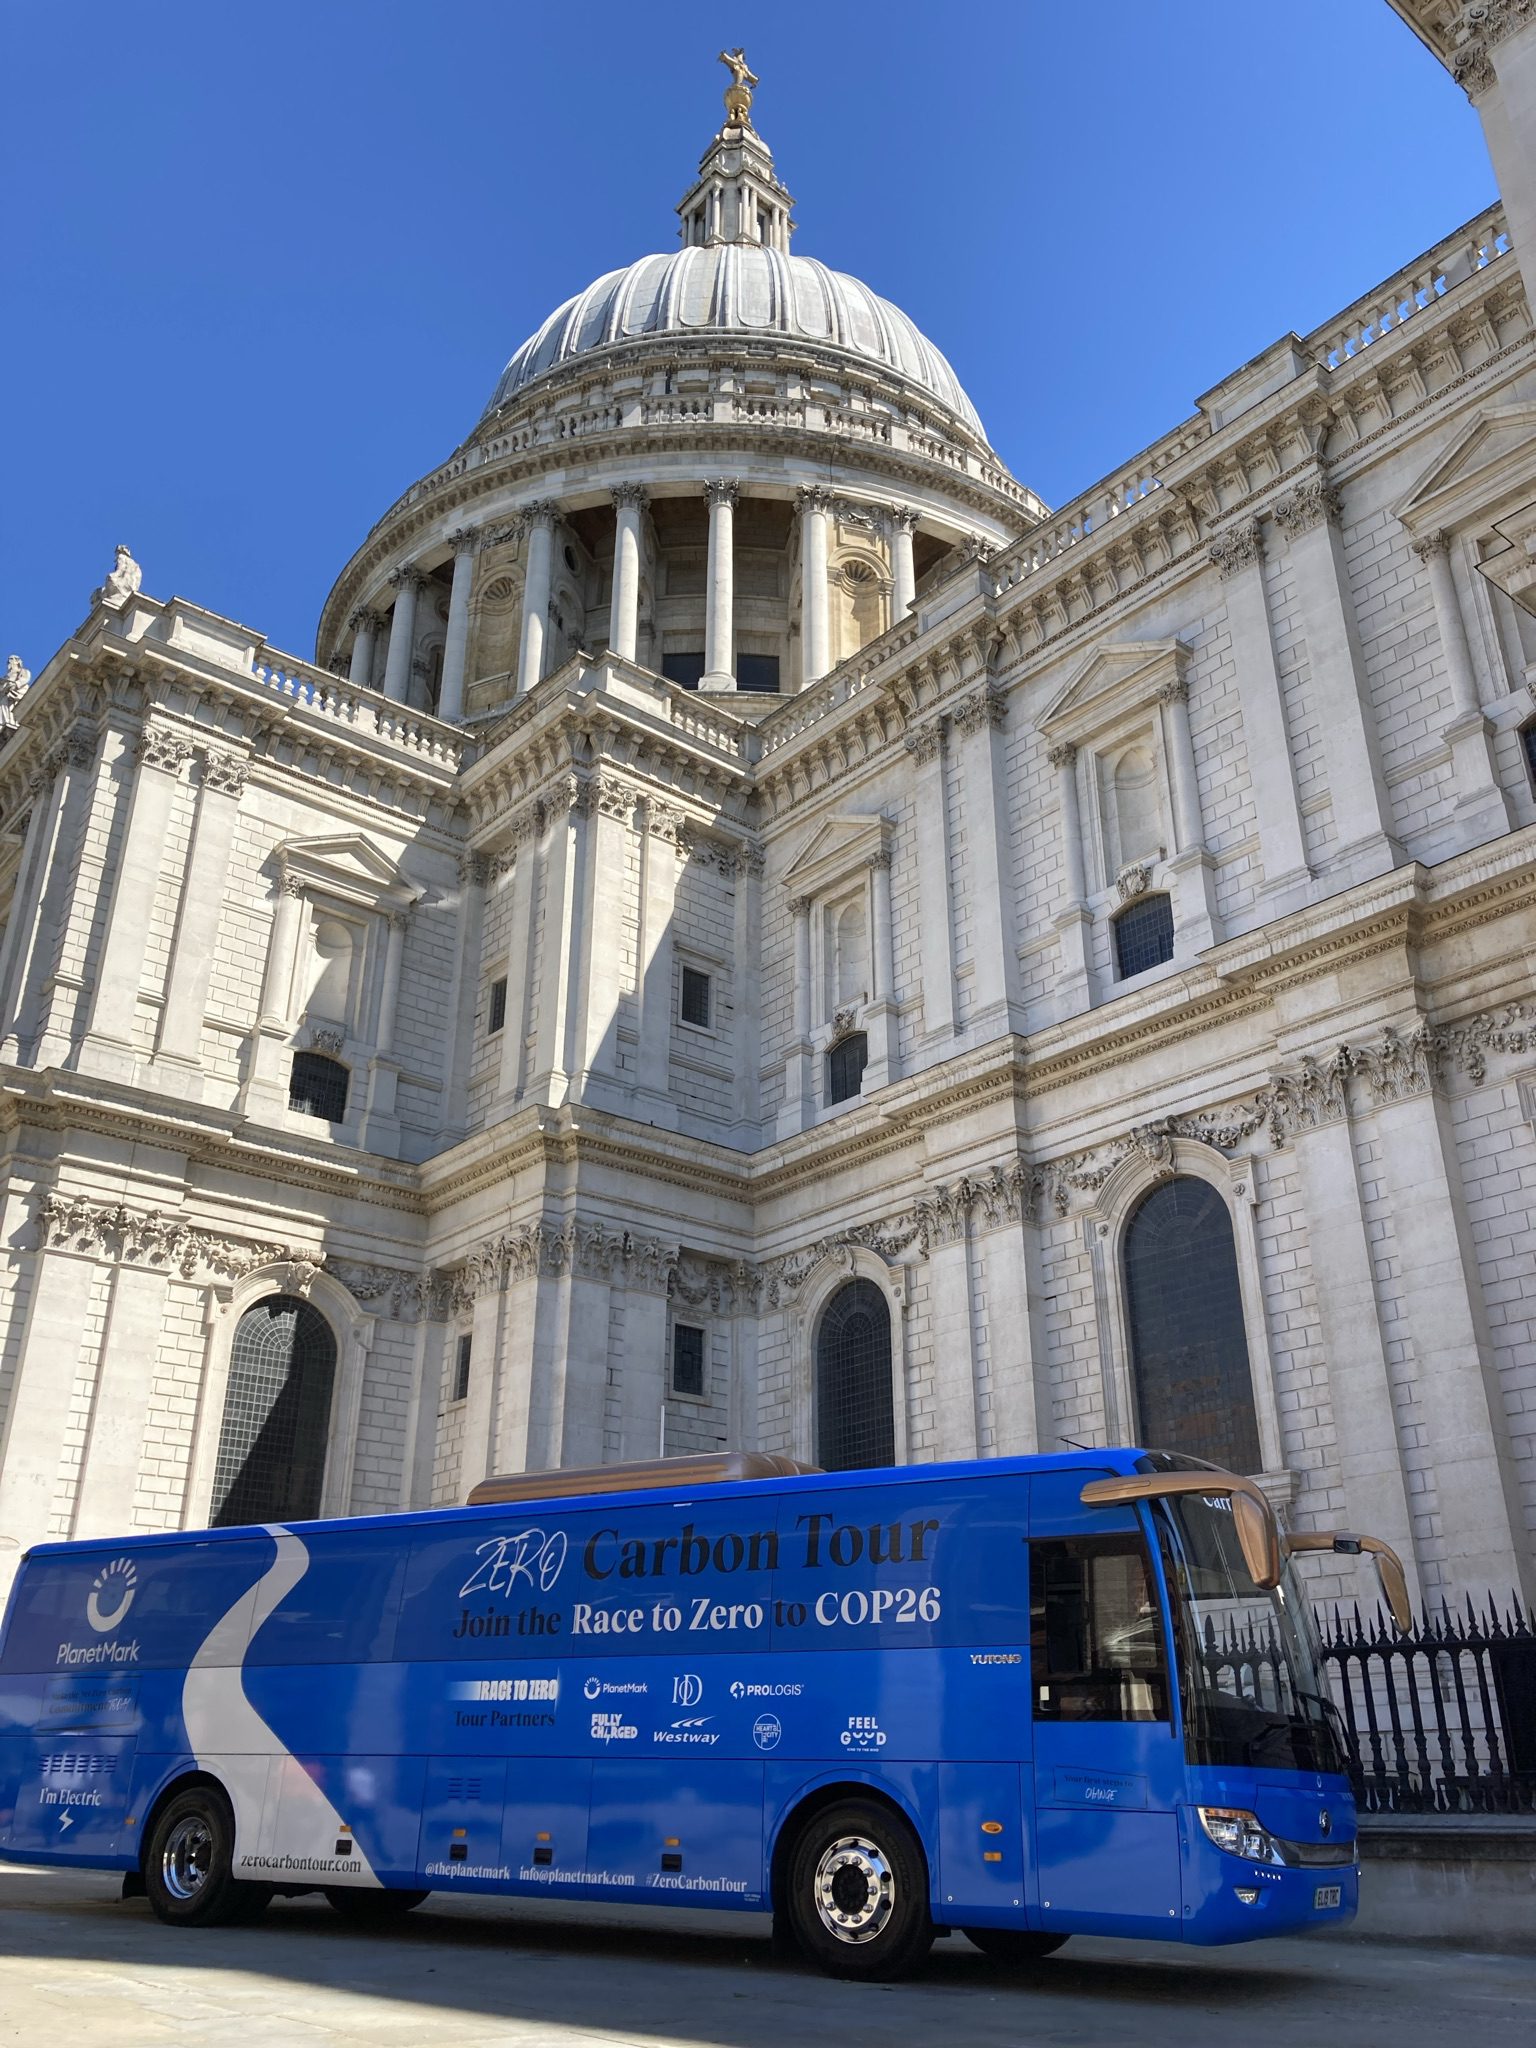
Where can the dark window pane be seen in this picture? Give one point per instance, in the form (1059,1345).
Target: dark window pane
(855,1421)
(1528,741)
(317,1086)
(1095,1633)
(846,1062)
(694,1007)
(683,668)
(687,1359)
(757,672)
(461,1366)
(277,1413)
(1143,935)
(1189,1348)
(498,1004)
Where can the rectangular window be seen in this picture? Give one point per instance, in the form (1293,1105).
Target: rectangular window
(693,1007)
(498,1004)
(461,1366)
(688,1360)
(758,672)
(1095,1631)
(683,668)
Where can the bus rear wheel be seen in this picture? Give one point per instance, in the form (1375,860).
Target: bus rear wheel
(354,1902)
(857,1894)
(1013,1945)
(189,1864)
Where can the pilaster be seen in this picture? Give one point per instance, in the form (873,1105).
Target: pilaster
(178,1060)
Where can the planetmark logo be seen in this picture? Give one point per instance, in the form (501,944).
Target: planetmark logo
(112,1592)
(767,1731)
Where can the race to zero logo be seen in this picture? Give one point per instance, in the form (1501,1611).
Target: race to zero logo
(111,1595)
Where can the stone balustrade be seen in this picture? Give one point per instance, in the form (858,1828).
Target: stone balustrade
(332,697)
(1421,284)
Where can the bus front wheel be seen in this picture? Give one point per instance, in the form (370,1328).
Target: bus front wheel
(858,1892)
(355,1902)
(1013,1945)
(189,1864)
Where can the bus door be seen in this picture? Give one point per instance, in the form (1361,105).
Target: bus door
(1108,1771)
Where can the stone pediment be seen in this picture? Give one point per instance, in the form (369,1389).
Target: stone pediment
(348,866)
(1491,461)
(838,845)
(1111,682)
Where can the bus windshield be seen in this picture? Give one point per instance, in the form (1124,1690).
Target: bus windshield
(1251,1676)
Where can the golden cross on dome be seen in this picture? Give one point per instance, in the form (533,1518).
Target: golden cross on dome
(738,94)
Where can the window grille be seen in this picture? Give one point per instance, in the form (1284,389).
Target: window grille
(855,1421)
(461,1366)
(846,1062)
(694,1005)
(317,1086)
(277,1411)
(688,1360)
(1189,1346)
(1143,935)
(498,1004)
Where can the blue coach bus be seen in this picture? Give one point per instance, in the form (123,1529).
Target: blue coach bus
(1028,1698)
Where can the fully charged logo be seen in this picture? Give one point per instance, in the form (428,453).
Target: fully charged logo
(111,1594)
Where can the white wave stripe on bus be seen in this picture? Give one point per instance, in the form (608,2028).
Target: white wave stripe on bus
(233,1743)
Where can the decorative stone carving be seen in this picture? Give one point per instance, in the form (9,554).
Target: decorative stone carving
(1238,549)
(721,491)
(1427,545)
(1134,880)
(982,707)
(843,1020)
(1306,505)
(408,576)
(880,858)
(631,494)
(723,1287)
(122,583)
(327,1038)
(588,1249)
(225,774)
(813,498)
(924,742)
(1062,755)
(147,1237)
(474,869)
(12,690)
(464,540)
(1174,691)
(903,519)
(800,906)
(156,748)
(365,621)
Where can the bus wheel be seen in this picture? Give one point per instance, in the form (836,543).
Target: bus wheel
(858,1892)
(1012,1945)
(356,1902)
(189,1864)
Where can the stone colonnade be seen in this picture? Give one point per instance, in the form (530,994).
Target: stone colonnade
(815,507)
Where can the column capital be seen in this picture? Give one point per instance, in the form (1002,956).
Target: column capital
(542,512)
(157,749)
(1306,505)
(224,774)
(1238,549)
(800,906)
(464,540)
(364,620)
(636,495)
(903,518)
(924,742)
(721,490)
(1174,691)
(880,858)
(290,885)
(1427,545)
(813,498)
(1062,755)
(407,577)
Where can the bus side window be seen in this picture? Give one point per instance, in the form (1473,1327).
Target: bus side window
(1095,1631)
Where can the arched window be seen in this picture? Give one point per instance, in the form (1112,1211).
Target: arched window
(846,1062)
(855,1422)
(271,1461)
(1143,935)
(317,1086)
(1189,1346)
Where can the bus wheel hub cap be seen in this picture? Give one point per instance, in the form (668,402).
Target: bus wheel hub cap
(185,1858)
(855,1889)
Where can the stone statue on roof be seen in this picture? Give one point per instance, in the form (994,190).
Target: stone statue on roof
(11,690)
(738,94)
(123,582)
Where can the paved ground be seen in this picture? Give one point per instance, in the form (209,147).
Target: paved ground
(80,1968)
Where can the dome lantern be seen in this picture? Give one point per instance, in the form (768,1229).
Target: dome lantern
(736,196)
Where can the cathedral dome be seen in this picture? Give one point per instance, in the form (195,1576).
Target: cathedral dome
(739,289)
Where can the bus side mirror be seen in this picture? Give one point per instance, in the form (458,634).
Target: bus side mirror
(1258,1533)
(1389,1566)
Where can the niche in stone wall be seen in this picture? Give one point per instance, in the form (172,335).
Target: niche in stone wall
(845,951)
(330,968)
(859,593)
(497,626)
(1131,802)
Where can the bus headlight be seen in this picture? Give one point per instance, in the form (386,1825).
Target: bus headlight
(1240,1833)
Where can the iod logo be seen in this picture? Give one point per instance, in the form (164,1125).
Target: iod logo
(112,1592)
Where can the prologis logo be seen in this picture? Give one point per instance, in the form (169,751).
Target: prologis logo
(112,1592)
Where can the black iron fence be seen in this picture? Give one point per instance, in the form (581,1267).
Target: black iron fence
(1443,1719)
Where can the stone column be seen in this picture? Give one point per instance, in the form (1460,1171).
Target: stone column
(988,879)
(381,1126)
(629,501)
(927,744)
(402,634)
(365,626)
(598,967)
(60,795)
(719,614)
(815,604)
(450,702)
(474,871)
(522,937)
(37,1420)
(799,1098)
(1192,869)
(950,1289)
(538,582)
(129,1358)
(1074,925)
(1493,58)
(653,968)
(108,1047)
(1309,514)
(560,942)
(1481,807)
(903,576)
(1017,1343)
(179,1046)
(1239,558)
(265,1092)
(747,938)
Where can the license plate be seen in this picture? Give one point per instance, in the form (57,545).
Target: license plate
(1325,1895)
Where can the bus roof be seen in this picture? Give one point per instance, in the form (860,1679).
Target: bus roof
(1115,1458)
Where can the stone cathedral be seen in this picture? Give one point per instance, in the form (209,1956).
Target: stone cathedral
(753,931)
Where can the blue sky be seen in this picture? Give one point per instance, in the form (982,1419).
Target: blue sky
(262,264)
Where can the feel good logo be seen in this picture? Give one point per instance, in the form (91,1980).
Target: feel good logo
(111,1594)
